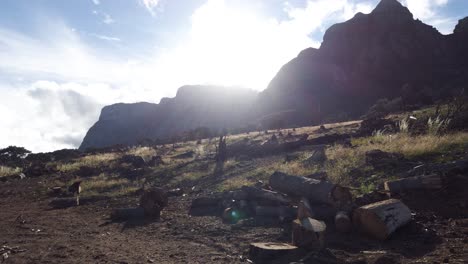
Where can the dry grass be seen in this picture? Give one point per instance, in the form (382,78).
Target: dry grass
(144,152)
(8,171)
(94,161)
(262,168)
(342,160)
(106,185)
(414,146)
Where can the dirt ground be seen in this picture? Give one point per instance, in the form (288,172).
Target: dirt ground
(35,233)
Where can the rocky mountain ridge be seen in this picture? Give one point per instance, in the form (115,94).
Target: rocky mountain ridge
(383,54)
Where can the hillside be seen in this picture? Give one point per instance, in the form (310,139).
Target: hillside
(384,54)
(37,227)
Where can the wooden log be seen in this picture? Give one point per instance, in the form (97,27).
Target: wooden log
(381,219)
(271,251)
(322,212)
(128,213)
(258,193)
(308,233)
(312,189)
(303,209)
(283,212)
(343,222)
(429,182)
(206,206)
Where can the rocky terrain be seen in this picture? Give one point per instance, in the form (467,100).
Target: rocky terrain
(208,217)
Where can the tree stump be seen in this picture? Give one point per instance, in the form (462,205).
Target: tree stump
(308,233)
(270,251)
(381,219)
(429,182)
(153,201)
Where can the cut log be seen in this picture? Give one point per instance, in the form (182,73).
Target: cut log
(128,213)
(283,212)
(343,222)
(413,183)
(258,193)
(303,209)
(381,219)
(308,233)
(322,212)
(206,206)
(268,252)
(315,190)
(233,215)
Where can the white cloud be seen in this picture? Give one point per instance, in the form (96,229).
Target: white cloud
(107,38)
(151,5)
(96,2)
(107,19)
(424,9)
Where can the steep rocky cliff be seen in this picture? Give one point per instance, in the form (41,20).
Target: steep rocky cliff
(368,57)
(193,107)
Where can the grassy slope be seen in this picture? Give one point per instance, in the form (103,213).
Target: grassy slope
(342,164)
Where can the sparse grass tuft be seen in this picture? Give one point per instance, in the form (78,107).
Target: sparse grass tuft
(8,171)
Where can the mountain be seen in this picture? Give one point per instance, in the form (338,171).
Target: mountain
(370,56)
(193,107)
(384,54)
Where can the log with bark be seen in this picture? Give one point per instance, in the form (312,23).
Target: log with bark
(204,206)
(283,212)
(262,194)
(322,212)
(343,222)
(314,190)
(429,182)
(308,233)
(381,219)
(271,251)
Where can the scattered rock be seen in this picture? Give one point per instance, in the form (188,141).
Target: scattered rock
(153,201)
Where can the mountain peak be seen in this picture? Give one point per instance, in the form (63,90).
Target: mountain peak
(392,8)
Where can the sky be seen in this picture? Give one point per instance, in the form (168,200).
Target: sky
(62,61)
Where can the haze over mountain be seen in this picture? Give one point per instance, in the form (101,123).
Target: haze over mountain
(368,57)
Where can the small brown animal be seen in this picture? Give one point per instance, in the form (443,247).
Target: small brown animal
(75,189)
